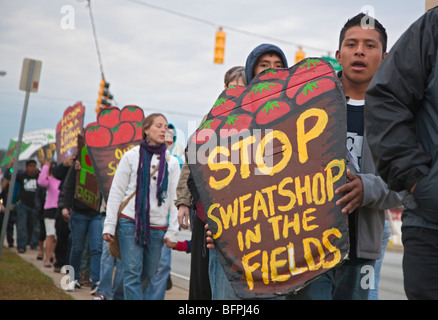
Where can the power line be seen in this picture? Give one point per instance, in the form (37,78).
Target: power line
(233,29)
(95,39)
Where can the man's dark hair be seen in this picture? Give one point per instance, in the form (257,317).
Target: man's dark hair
(357,21)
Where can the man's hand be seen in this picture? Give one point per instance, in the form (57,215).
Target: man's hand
(183,216)
(209,237)
(66,214)
(69,161)
(353,191)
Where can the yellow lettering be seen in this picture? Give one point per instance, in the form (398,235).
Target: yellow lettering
(268,191)
(244,155)
(308,253)
(304,137)
(240,240)
(286,149)
(286,193)
(278,264)
(275,228)
(218,185)
(253,237)
(292,266)
(265,267)
(340,164)
(303,190)
(249,269)
(259,204)
(215,219)
(307,219)
(113,166)
(230,215)
(244,209)
(333,250)
(318,184)
(295,223)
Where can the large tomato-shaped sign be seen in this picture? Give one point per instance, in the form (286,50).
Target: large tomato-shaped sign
(266,163)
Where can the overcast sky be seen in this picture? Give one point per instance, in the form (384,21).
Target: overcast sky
(155,59)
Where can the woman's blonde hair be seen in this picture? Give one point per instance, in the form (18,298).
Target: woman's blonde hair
(147,122)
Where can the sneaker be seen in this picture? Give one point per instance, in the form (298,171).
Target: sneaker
(99,297)
(84,280)
(21,250)
(94,289)
(73,285)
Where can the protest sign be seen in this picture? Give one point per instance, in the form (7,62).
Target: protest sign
(67,130)
(115,132)
(266,163)
(86,188)
(31,142)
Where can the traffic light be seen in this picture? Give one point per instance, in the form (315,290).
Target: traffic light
(219,47)
(107,96)
(104,98)
(300,55)
(100,95)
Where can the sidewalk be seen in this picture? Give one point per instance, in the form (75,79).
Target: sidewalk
(179,290)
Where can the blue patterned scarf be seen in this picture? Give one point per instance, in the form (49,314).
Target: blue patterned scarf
(142,203)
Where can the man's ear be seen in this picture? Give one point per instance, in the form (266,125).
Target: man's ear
(338,56)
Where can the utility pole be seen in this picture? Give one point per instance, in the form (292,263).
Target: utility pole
(29,82)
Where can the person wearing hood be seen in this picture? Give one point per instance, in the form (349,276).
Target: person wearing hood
(263,57)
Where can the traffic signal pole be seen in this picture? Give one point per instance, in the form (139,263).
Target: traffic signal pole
(17,154)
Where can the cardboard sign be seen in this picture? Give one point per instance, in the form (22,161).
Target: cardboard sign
(87,189)
(115,132)
(32,141)
(266,163)
(67,131)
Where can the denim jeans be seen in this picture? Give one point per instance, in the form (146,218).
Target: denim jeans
(345,282)
(139,263)
(221,288)
(81,224)
(111,274)
(28,227)
(157,288)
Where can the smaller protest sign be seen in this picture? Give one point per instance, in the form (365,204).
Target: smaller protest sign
(115,132)
(87,188)
(67,130)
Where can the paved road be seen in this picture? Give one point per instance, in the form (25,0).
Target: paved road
(391,281)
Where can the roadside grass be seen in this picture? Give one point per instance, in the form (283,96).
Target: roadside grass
(20,280)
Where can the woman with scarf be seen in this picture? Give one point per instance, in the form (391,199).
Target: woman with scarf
(150,174)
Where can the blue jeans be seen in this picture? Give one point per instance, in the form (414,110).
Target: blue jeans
(81,224)
(28,227)
(345,282)
(111,274)
(139,263)
(221,288)
(157,288)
